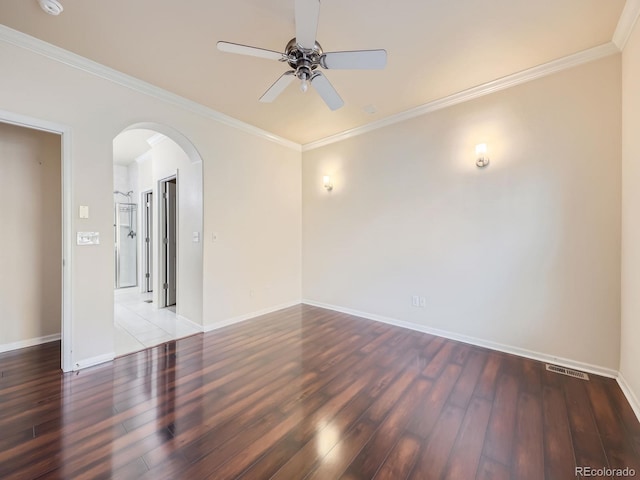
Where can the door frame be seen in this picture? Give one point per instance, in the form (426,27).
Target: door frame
(67,215)
(146,259)
(161,267)
(118,241)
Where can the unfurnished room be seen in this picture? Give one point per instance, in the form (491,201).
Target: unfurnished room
(294,239)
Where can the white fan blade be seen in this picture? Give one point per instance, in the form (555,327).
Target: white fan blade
(278,87)
(307,13)
(356,60)
(326,91)
(247,50)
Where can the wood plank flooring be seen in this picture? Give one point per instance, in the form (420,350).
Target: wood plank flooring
(307,393)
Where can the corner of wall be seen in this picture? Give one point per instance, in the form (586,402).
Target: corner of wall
(629,377)
(629,394)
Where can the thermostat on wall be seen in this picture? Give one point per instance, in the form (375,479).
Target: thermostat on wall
(88,238)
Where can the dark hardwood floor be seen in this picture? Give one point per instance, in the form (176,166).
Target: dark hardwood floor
(307,393)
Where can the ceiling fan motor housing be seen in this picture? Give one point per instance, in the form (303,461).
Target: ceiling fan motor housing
(303,61)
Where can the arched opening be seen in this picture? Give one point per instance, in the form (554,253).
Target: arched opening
(157,200)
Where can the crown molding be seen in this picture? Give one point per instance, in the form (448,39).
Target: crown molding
(474,92)
(627,21)
(61,55)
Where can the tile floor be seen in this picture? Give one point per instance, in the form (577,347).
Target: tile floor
(139,325)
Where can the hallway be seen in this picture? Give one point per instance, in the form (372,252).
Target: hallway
(139,325)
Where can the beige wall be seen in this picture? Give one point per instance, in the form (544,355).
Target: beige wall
(31,239)
(525,253)
(630,347)
(234,162)
(260,196)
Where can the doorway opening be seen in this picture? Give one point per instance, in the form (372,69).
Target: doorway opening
(36,241)
(125,228)
(169,237)
(157,177)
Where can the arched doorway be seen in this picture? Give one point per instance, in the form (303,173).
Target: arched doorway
(157,237)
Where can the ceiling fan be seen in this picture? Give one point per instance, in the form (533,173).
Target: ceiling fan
(304,55)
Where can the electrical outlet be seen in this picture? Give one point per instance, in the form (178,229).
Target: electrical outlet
(415,301)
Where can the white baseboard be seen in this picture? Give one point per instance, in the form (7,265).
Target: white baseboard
(249,316)
(7,347)
(93,361)
(191,323)
(522,352)
(88,362)
(629,393)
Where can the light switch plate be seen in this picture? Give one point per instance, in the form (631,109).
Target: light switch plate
(88,238)
(84,211)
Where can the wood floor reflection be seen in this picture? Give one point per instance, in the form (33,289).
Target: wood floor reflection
(307,393)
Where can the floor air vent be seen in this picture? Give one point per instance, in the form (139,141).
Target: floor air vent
(567,371)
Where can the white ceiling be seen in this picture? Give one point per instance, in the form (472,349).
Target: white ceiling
(131,144)
(435,48)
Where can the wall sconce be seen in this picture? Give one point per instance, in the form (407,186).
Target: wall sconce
(482,160)
(326,183)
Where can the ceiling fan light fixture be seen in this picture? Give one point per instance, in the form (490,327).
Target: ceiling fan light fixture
(304,74)
(304,55)
(52,7)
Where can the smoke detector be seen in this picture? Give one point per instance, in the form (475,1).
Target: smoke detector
(52,7)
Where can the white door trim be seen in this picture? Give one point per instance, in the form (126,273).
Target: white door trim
(146,259)
(161,262)
(67,234)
